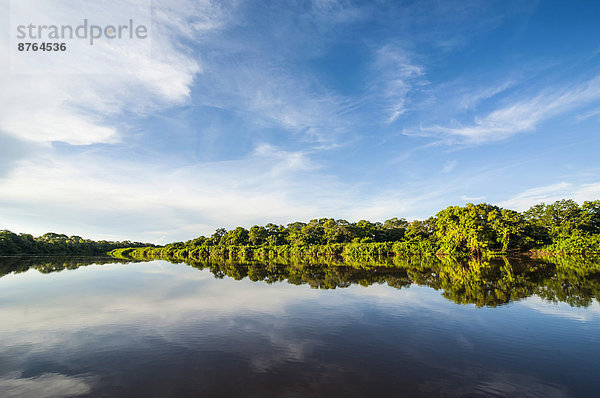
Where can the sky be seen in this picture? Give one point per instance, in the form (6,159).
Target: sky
(245,112)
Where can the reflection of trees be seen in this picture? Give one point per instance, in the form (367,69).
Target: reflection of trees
(490,283)
(48,264)
(483,282)
(576,281)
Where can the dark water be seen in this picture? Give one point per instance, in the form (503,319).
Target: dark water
(157,329)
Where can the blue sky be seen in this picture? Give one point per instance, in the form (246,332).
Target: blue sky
(246,113)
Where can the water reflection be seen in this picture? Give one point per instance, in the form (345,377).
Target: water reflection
(162,329)
(573,280)
(48,264)
(45,385)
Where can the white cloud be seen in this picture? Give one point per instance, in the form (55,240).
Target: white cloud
(268,92)
(472,199)
(397,74)
(449,166)
(286,161)
(408,201)
(589,114)
(73,96)
(88,195)
(472,97)
(522,116)
(154,202)
(552,193)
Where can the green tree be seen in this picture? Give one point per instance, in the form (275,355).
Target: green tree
(217,237)
(338,231)
(465,229)
(591,215)
(258,235)
(313,233)
(236,237)
(295,236)
(394,229)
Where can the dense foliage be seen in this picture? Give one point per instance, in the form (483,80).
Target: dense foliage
(57,244)
(473,230)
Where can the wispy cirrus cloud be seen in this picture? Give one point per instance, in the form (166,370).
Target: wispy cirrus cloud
(449,166)
(551,193)
(470,97)
(522,116)
(257,68)
(594,113)
(397,75)
(270,96)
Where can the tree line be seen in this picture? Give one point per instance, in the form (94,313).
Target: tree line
(475,230)
(58,244)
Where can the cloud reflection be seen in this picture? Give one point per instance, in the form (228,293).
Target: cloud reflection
(44,386)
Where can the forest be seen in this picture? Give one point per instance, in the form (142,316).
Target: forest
(58,244)
(562,227)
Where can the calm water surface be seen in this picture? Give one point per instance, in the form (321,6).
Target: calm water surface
(158,329)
